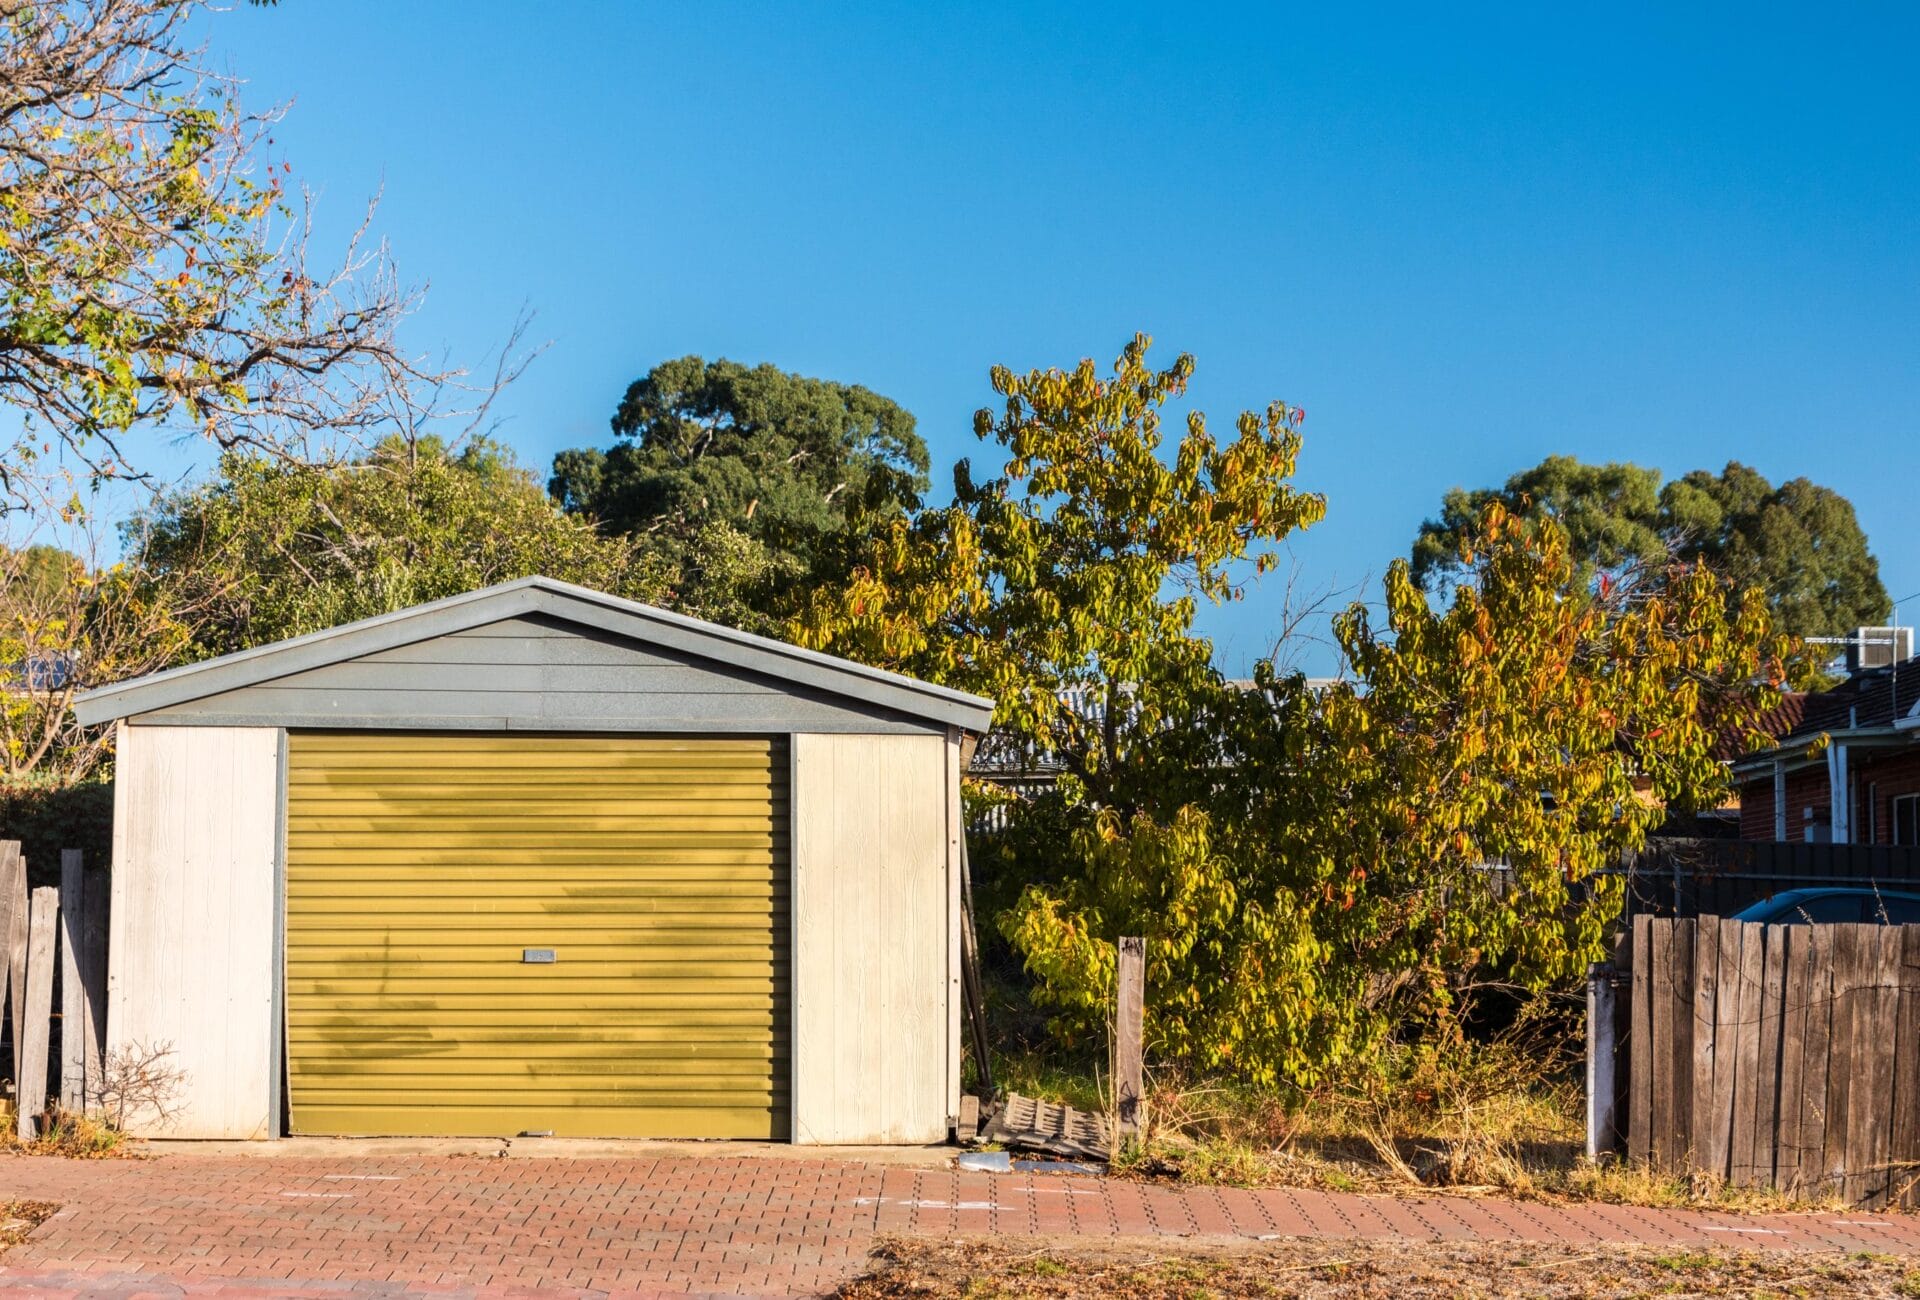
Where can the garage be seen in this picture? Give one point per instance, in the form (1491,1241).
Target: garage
(504,934)
(538,860)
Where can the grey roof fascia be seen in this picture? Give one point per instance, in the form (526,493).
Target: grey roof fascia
(535,596)
(1793,748)
(778,659)
(298,654)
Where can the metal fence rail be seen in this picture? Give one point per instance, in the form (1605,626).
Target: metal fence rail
(1686,877)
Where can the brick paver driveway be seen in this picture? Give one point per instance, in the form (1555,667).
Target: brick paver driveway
(392,1224)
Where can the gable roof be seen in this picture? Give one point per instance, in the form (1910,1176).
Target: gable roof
(559,600)
(1875,697)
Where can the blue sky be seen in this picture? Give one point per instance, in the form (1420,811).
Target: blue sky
(1461,239)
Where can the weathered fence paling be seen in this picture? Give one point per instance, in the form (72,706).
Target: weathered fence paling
(53,970)
(1784,1056)
(36,1027)
(1603,1060)
(73,994)
(13,944)
(96,896)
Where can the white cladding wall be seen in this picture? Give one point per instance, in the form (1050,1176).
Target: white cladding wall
(195,923)
(875,945)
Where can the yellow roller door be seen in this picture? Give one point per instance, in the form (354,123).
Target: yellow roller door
(493,935)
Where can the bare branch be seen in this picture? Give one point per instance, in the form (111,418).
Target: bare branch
(157,272)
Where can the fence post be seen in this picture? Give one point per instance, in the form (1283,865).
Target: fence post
(30,1089)
(1129,1010)
(73,993)
(1602,1086)
(13,943)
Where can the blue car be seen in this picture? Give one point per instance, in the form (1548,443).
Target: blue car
(1822,906)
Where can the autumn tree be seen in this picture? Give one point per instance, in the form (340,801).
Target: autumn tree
(267,550)
(1313,866)
(70,622)
(754,482)
(1374,847)
(1798,543)
(1065,585)
(154,261)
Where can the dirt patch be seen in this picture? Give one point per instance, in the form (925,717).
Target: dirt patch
(18,1218)
(1347,1270)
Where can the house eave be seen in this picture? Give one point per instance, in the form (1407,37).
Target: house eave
(1800,751)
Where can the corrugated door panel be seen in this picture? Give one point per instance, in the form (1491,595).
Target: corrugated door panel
(421,867)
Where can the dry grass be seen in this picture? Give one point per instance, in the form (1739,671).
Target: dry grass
(63,1133)
(1525,1146)
(1346,1270)
(1496,1116)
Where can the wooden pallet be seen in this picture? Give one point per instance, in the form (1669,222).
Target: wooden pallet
(1027,1124)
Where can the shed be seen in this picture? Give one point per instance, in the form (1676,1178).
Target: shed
(536,859)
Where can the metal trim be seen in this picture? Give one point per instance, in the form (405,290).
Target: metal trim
(278,1099)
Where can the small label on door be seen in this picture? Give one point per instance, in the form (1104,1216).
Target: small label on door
(537,956)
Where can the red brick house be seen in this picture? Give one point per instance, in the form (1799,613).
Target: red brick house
(1862,786)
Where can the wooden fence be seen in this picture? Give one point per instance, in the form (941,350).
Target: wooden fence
(53,976)
(1688,877)
(1784,1056)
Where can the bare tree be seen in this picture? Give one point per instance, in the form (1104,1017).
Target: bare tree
(156,268)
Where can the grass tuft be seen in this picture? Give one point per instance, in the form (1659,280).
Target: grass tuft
(64,1133)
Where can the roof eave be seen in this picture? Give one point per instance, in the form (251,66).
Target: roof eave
(1801,747)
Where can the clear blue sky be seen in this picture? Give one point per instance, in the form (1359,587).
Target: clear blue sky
(1461,238)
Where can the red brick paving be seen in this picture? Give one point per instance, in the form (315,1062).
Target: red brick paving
(436,1225)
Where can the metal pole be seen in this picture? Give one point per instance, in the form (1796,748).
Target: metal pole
(1601,1087)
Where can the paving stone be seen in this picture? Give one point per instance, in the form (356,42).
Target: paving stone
(225,1225)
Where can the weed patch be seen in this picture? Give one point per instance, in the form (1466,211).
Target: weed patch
(1499,1114)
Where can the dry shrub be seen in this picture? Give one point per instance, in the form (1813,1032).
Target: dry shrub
(140,1080)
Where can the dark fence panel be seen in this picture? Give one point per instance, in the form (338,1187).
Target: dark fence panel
(1676,877)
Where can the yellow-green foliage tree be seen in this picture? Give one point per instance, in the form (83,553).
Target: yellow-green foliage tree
(1312,867)
(1372,848)
(1077,570)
